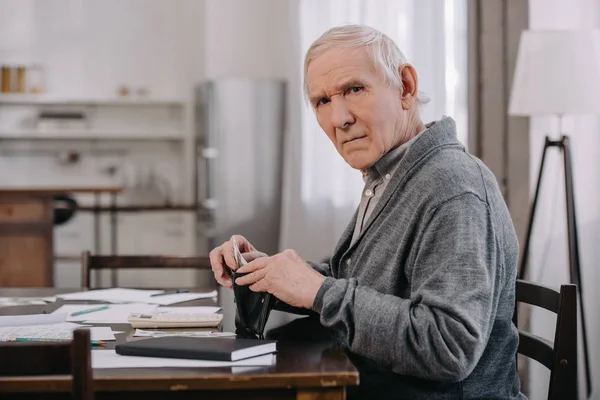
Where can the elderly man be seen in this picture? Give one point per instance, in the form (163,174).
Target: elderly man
(421,286)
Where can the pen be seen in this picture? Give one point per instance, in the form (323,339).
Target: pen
(94,342)
(170,292)
(89,310)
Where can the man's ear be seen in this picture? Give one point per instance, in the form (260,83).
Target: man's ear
(410,85)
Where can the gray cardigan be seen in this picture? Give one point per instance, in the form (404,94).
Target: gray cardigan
(424,299)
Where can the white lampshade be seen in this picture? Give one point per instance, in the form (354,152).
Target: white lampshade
(557,72)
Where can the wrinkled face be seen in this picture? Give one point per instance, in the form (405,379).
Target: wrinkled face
(360,113)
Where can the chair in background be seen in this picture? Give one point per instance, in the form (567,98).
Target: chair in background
(559,357)
(90,262)
(52,358)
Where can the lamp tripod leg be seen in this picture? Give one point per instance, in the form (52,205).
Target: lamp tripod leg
(574,264)
(525,254)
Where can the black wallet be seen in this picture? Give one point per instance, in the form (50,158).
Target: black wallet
(252,309)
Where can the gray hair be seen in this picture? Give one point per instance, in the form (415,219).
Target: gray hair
(383,51)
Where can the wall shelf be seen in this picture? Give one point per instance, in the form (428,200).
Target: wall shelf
(45,99)
(92,135)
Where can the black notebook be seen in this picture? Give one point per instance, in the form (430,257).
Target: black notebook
(199,348)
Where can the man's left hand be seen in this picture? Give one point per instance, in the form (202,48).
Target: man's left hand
(285,275)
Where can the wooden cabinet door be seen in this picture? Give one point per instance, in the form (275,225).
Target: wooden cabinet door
(26,241)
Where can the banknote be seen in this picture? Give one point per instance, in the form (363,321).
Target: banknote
(238,255)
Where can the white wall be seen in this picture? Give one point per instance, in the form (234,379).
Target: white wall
(247,38)
(549,255)
(91,48)
(96,45)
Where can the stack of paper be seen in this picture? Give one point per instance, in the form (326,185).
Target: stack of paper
(46,326)
(113,313)
(60,331)
(34,319)
(25,301)
(118,295)
(187,310)
(147,333)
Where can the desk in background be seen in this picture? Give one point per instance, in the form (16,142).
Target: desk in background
(303,371)
(26,232)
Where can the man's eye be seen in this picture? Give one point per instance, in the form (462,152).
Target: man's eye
(355,89)
(322,101)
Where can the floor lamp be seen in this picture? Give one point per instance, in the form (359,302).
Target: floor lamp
(558,73)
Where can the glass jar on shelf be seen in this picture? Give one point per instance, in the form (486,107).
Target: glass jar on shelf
(36,79)
(5,79)
(20,79)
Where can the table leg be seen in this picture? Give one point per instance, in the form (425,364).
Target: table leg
(325,393)
(97,274)
(113,227)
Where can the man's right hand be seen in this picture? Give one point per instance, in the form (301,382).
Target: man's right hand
(222,258)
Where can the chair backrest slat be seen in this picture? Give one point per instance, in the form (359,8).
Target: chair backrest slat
(119,262)
(34,358)
(537,348)
(90,262)
(52,358)
(537,295)
(559,357)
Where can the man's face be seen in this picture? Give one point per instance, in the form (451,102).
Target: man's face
(360,113)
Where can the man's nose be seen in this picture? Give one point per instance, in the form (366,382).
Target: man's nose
(341,117)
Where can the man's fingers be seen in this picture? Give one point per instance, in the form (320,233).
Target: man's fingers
(255,265)
(251,278)
(229,255)
(224,280)
(220,271)
(243,244)
(257,287)
(253,255)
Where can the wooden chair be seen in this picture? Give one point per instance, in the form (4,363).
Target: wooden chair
(90,262)
(52,358)
(559,357)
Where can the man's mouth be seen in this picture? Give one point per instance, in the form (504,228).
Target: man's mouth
(355,139)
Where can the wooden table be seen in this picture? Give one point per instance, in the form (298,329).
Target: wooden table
(304,370)
(26,232)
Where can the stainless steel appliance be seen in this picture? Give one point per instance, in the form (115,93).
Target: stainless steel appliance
(239,144)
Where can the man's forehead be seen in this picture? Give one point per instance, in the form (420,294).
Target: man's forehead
(336,66)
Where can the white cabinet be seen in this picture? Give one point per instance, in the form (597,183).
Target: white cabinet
(149,233)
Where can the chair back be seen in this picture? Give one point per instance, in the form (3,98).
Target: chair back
(90,262)
(52,358)
(560,356)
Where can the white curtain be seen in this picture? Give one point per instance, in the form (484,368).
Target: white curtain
(321,190)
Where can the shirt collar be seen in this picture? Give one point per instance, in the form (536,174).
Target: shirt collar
(388,163)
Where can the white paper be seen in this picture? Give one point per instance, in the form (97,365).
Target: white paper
(115,295)
(110,359)
(187,310)
(63,330)
(147,333)
(60,331)
(116,313)
(24,301)
(168,299)
(118,295)
(34,319)
(104,333)
(50,299)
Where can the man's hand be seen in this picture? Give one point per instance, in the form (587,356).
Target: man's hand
(287,276)
(222,257)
